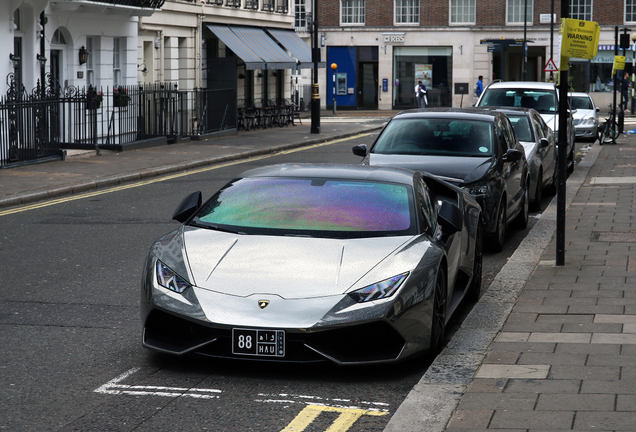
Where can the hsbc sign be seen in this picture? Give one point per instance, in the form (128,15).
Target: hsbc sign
(393,37)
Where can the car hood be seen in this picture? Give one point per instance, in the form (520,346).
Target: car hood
(458,170)
(289,267)
(529,148)
(583,113)
(552,120)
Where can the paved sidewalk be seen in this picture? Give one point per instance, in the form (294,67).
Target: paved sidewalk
(549,348)
(83,170)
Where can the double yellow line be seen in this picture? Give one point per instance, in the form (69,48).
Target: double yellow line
(168,177)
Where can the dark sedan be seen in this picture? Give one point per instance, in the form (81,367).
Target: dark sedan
(471,148)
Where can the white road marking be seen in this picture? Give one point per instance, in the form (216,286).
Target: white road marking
(113,387)
(320,401)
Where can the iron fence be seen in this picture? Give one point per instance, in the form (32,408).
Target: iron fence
(36,126)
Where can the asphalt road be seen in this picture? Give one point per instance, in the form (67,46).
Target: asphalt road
(70,331)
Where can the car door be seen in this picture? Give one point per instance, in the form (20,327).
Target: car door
(547,155)
(511,170)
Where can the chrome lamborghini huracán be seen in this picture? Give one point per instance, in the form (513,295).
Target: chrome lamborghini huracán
(305,262)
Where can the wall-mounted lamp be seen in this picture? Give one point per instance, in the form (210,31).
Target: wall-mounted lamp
(144,71)
(42,60)
(16,60)
(260,75)
(83,55)
(241,76)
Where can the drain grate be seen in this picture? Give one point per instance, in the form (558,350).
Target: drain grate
(614,236)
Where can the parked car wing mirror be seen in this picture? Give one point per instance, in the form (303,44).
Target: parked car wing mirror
(360,150)
(450,218)
(512,155)
(598,109)
(187,207)
(544,142)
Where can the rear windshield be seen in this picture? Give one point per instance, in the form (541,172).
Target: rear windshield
(310,207)
(436,136)
(544,101)
(581,102)
(521,125)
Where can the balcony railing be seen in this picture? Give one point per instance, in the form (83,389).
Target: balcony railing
(154,4)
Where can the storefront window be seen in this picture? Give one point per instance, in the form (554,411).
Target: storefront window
(431,65)
(600,70)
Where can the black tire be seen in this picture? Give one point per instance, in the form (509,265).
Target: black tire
(497,241)
(474,289)
(438,326)
(521,221)
(538,194)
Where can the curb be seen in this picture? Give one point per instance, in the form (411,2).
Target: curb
(31,197)
(429,406)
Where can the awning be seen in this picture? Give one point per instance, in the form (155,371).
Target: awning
(263,45)
(238,46)
(295,45)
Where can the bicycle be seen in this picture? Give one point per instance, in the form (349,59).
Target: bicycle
(609,130)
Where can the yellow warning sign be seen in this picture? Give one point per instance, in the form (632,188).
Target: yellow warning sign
(579,38)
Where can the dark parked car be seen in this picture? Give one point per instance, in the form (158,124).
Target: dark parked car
(307,263)
(470,148)
(538,142)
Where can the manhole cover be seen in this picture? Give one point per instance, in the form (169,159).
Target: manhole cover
(614,236)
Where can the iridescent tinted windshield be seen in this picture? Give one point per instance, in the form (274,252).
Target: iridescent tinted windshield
(310,204)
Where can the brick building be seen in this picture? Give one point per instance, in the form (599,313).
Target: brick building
(382,47)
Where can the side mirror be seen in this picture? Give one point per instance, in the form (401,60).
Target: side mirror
(360,150)
(450,218)
(512,155)
(544,142)
(598,109)
(188,206)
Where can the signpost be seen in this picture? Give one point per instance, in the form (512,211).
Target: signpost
(550,67)
(579,39)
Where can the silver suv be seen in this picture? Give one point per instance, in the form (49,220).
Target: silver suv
(543,97)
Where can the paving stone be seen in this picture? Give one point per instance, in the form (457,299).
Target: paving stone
(520,346)
(587,301)
(586,348)
(560,337)
(585,319)
(552,359)
(598,294)
(592,328)
(542,309)
(537,371)
(470,419)
(623,360)
(625,403)
(616,421)
(487,385)
(576,402)
(542,386)
(545,327)
(609,338)
(621,386)
(522,317)
(549,420)
(501,357)
(498,401)
(598,309)
(622,319)
(567,372)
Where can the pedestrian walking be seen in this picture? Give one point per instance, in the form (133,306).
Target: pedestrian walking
(420,95)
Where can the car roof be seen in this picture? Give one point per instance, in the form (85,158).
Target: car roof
(459,113)
(523,85)
(335,171)
(510,110)
(582,94)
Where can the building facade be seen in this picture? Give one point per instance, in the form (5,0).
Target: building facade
(383,48)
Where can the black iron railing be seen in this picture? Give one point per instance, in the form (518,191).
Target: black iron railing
(36,126)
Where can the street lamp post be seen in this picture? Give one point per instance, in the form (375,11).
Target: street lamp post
(315,91)
(334,68)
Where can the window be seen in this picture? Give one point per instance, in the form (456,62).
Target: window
(352,11)
(119,45)
(581,9)
(630,10)
(462,11)
(515,13)
(90,73)
(16,20)
(300,14)
(407,11)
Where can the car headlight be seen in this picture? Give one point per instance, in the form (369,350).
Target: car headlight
(588,121)
(169,279)
(379,290)
(478,189)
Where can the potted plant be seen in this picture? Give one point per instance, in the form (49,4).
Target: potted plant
(120,97)
(94,98)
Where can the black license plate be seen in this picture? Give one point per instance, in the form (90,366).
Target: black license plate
(269,343)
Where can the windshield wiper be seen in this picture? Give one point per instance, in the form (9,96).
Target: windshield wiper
(215,227)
